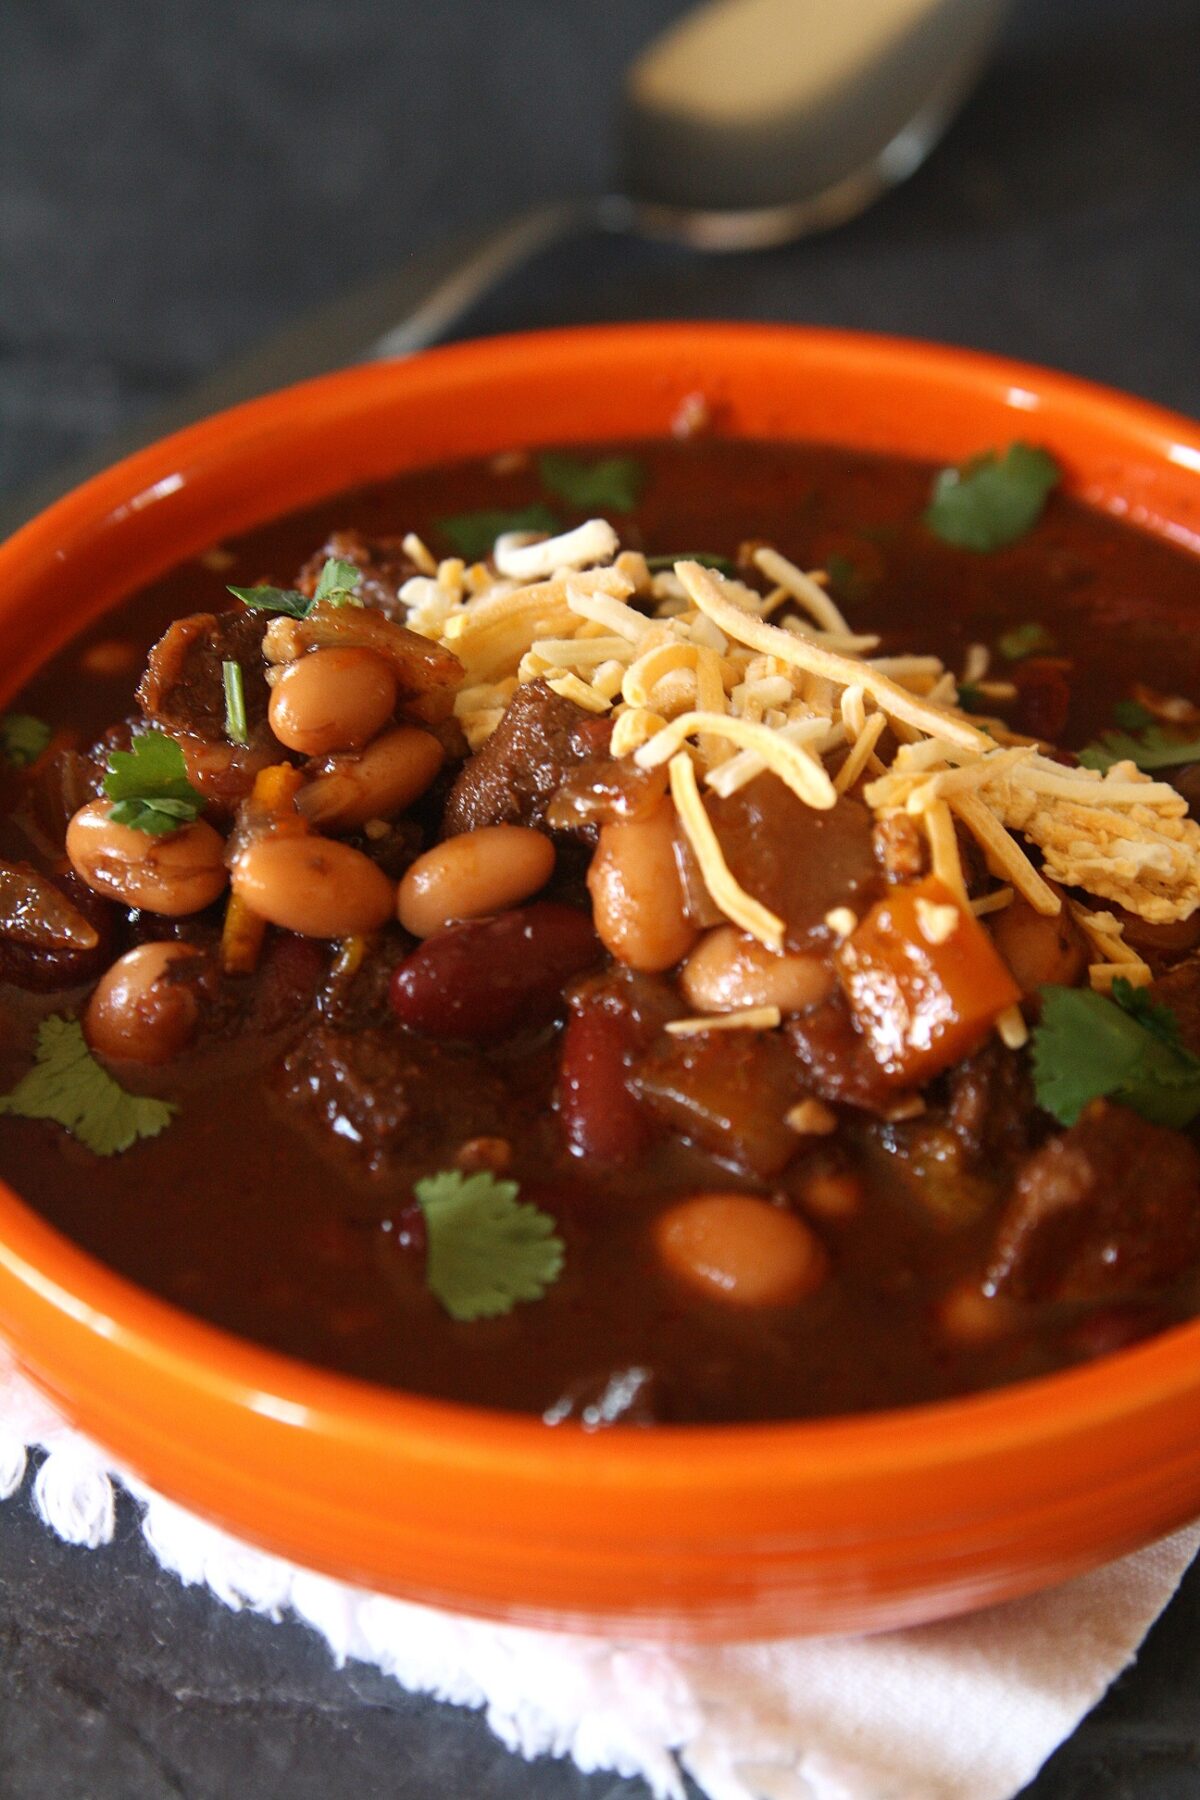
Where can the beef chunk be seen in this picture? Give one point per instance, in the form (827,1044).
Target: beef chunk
(1102,1211)
(43,967)
(388,1093)
(521,767)
(1180,990)
(183,688)
(799,862)
(52,794)
(837,1061)
(354,997)
(990,1107)
(727,1092)
(384,563)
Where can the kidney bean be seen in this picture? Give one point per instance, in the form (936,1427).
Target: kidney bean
(601,1118)
(482,980)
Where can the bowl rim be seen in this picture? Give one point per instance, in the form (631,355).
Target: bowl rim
(239,1373)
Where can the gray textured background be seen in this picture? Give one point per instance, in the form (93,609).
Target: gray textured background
(176,179)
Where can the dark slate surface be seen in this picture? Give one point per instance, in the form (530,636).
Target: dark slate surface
(175,180)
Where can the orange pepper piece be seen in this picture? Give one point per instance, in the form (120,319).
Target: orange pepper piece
(924,981)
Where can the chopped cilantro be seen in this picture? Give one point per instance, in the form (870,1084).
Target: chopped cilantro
(993,499)
(68,1085)
(970,699)
(848,578)
(276,600)
(1131,715)
(22,738)
(611,484)
(1031,639)
(149,784)
(706,559)
(337,585)
(235,703)
(1086,1047)
(1151,1014)
(473,534)
(486,1250)
(1153,748)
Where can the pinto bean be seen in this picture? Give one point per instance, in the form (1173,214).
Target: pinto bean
(740,1250)
(332,700)
(466,877)
(637,895)
(313,885)
(385,779)
(137,1011)
(485,979)
(729,970)
(182,872)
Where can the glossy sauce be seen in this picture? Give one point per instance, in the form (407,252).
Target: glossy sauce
(249,1213)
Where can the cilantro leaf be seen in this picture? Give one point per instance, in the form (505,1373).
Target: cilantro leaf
(486,1250)
(1153,748)
(1151,1014)
(610,484)
(1031,639)
(473,534)
(149,784)
(236,729)
(1131,715)
(1087,1047)
(338,583)
(705,558)
(276,600)
(848,578)
(970,699)
(68,1085)
(22,738)
(992,500)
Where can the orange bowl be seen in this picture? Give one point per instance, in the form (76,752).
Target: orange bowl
(738,1531)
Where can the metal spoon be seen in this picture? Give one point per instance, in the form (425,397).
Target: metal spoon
(745,124)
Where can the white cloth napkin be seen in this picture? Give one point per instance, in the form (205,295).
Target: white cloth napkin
(967,1710)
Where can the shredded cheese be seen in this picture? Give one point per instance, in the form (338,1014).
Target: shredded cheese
(944,856)
(937,924)
(417,551)
(738,906)
(697,679)
(841,920)
(1012,1029)
(996,901)
(793,763)
(750,1018)
(704,588)
(811,1118)
(595,542)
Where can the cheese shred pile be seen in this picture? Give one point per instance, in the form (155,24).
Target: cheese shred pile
(719,681)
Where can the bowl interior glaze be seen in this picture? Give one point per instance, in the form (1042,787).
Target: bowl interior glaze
(740,1531)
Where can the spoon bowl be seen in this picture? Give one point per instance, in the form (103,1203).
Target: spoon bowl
(754,122)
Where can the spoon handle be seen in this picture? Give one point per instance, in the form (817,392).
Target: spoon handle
(392,316)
